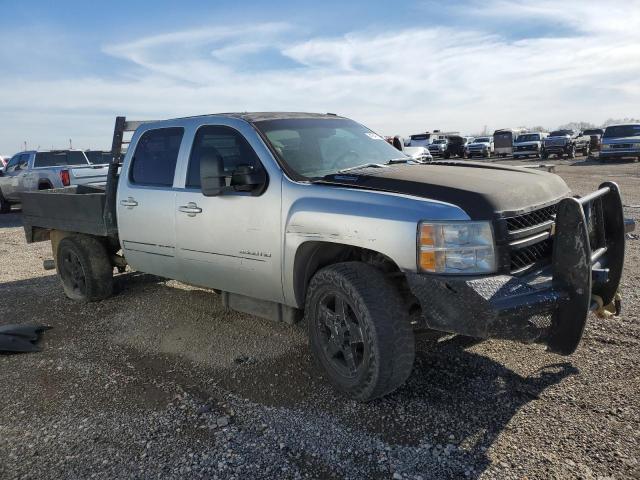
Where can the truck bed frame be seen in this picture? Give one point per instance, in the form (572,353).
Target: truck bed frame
(83,209)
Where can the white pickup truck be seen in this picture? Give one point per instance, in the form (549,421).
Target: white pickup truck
(45,170)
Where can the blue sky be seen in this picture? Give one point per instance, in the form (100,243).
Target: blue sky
(68,67)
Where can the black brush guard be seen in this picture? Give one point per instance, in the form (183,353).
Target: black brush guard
(588,257)
(549,306)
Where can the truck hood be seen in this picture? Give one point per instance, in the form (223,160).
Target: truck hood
(484,191)
(615,140)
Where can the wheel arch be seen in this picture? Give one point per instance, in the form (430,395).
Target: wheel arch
(313,255)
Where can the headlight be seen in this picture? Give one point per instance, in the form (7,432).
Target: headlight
(458,247)
(605,146)
(635,145)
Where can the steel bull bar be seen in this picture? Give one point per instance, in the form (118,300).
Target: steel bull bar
(548,306)
(587,261)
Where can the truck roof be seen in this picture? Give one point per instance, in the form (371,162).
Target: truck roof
(261,116)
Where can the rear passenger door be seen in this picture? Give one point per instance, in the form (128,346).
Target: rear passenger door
(145,202)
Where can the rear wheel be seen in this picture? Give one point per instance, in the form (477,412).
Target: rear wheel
(359,330)
(84,268)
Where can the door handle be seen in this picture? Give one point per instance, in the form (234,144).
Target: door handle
(129,203)
(190,209)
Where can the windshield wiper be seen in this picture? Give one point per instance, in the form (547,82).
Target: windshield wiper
(364,165)
(398,160)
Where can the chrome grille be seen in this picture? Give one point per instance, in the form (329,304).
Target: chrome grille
(538,253)
(531,219)
(526,226)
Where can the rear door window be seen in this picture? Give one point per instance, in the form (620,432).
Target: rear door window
(155,158)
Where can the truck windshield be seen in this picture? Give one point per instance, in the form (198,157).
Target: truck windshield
(482,140)
(620,131)
(439,142)
(315,147)
(560,133)
(528,138)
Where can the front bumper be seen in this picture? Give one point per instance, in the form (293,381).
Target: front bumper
(554,149)
(549,306)
(619,152)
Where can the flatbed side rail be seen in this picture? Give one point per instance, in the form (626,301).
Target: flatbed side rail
(122,126)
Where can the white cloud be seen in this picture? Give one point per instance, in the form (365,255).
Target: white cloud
(399,81)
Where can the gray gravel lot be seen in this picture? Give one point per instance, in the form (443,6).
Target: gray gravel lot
(160,381)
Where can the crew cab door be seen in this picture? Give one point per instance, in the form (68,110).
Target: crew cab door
(230,242)
(145,202)
(12,180)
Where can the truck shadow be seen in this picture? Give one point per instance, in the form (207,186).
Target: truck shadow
(11,220)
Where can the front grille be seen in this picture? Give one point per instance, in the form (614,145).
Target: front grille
(621,145)
(531,219)
(522,227)
(538,253)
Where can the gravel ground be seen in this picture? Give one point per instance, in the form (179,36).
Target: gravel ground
(160,381)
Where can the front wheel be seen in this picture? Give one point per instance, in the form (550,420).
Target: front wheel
(359,330)
(84,268)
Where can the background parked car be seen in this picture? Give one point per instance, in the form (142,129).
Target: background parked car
(621,141)
(480,146)
(3,161)
(438,147)
(419,154)
(596,137)
(566,142)
(457,146)
(43,170)
(99,157)
(503,140)
(529,144)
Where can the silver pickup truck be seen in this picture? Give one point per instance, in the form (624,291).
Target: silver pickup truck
(293,215)
(45,170)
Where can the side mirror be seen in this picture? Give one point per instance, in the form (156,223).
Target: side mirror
(246,178)
(212,178)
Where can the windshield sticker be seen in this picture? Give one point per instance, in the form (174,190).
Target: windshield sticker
(373,136)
